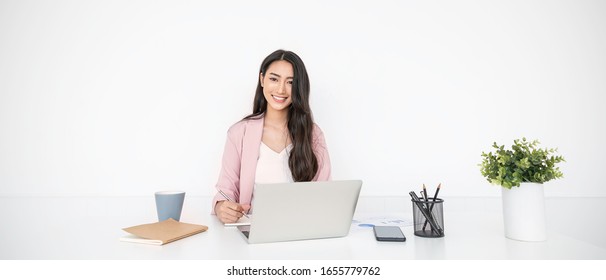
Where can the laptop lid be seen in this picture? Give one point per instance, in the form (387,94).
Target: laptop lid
(302,210)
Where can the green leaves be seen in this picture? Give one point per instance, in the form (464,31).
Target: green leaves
(523,163)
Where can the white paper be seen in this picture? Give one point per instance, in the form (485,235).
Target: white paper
(137,239)
(243,221)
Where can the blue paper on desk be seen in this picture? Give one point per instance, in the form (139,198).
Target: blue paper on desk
(382,220)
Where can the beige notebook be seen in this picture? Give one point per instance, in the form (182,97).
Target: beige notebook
(161,233)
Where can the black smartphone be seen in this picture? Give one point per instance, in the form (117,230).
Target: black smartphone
(389,233)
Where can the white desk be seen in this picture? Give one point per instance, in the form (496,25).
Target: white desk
(89,228)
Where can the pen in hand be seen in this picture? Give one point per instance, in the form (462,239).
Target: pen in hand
(230,200)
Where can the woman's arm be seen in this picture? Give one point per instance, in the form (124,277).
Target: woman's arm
(229,176)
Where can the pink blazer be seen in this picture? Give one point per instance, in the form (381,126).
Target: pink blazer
(237,176)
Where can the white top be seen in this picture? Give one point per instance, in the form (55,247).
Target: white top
(273,167)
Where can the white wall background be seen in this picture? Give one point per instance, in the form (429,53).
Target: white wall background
(129,97)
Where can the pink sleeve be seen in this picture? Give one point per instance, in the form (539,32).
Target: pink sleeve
(321,152)
(229,176)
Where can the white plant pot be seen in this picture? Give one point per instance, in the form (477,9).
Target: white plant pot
(524,212)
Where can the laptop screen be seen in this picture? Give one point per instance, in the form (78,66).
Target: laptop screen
(302,210)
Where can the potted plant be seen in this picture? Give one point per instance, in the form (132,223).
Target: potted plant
(521,172)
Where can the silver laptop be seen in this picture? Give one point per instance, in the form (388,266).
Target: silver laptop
(304,210)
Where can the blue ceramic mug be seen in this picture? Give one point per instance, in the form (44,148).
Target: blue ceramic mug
(169,204)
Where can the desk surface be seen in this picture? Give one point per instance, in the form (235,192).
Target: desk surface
(89,228)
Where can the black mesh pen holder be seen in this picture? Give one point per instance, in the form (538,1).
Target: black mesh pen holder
(428,217)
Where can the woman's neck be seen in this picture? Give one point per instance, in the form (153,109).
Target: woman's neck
(276,118)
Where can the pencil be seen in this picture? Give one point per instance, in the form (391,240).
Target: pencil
(425,196)
(435,196)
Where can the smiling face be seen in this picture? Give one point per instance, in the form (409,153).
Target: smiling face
(277,85)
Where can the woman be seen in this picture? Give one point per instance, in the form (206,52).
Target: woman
(278,142)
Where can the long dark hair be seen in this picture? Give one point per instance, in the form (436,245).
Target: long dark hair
(302,160)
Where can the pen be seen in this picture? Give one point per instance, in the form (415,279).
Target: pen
(428,217)
(230,200)
(421,208)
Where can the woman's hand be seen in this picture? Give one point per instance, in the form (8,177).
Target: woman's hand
(229,212)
